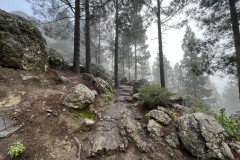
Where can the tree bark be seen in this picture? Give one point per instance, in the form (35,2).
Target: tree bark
(162,78)
(129,67)
(87,36)
(236,37)
(99,39)
(76,55)
(116,49)
(135,55)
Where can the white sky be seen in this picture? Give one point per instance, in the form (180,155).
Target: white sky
(171,47)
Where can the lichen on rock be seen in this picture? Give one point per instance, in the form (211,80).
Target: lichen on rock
(79,97)
(22,45)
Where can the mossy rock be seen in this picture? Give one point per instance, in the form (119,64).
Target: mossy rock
(85,112)
(22,45)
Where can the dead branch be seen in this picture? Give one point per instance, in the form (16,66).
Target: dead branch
(79,148)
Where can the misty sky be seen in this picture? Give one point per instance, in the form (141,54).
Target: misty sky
(172,39)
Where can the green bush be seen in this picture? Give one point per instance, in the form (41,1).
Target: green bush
(153,95)
(231,126)
(16,149)
(196,104)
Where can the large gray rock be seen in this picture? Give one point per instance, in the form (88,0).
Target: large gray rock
(107,143)
(123,80)
(235,146)
(236,116)
(160,117)
(7,126)
(55,58)
(203,136)
(21,44)
(79,97)
(172,140)
(98,71)
(155,129)
(137,84)
(101,84)
(131,129)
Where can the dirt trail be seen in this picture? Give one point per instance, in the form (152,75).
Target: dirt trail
(105,138)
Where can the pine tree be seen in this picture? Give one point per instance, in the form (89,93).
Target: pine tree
(220,21)
(195,84)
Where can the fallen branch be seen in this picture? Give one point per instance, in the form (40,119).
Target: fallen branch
(79,147)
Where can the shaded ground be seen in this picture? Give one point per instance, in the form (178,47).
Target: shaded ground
(49,128)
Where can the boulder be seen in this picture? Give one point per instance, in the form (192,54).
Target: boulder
(182,108)
(236,116)
(22,45)
(136,96)
(131,129)
(123,80)
(176,99)
(55,58)
(160,117)
(101,84)
(155,129)
(98,71)
(203,136)
(235,146)
(172,140)
(137,84)
(79,97)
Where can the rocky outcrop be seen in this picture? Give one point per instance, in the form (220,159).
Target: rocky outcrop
(137,84)
(55,58)
(203,136)
(123,80)
(131,130)
(155,129)
(99,71)
(21,44)
(236,116)
(235,146)
(172,140)
(79,97)
(101,84)
(160,117)
(176,99)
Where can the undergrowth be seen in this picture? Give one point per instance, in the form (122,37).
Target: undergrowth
(153,95)
(231,125)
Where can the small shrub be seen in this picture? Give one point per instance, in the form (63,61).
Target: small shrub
(175,116)
(108,97)
(16,149)
(148,115)
(231,126)
(153,95)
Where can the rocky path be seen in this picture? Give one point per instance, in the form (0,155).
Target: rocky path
(105,138)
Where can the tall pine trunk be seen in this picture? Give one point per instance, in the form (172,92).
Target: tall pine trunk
(129,67)
(116,49)
(99,39)
(236,37)
(135,55)
(87,36)
(161,66)
(76,55)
